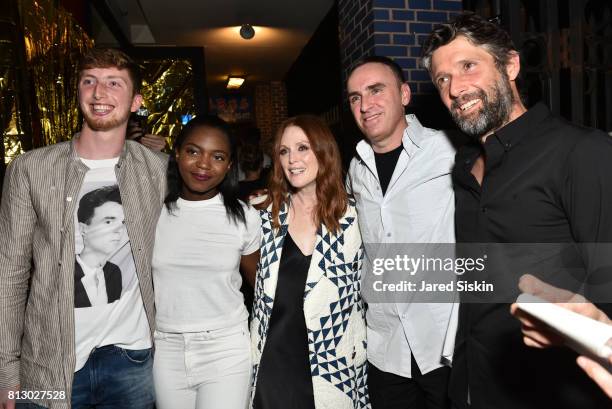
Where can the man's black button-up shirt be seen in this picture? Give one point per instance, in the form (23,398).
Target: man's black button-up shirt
(545,181)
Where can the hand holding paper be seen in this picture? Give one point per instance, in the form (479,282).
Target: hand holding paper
(553,316)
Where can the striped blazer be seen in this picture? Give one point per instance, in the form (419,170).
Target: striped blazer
(333,310)
(37,245)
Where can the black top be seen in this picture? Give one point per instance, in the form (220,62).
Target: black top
(112,278)
(385,165)
(545,181)
(284,379)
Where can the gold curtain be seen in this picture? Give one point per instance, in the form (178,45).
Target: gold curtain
(168,95)
(53,43)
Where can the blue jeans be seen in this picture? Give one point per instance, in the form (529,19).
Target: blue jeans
(115,378)
(28,405)
(112,378)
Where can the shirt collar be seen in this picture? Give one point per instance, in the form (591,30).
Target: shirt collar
(513,132)
(504,139)
(413,137)
(414,132)
(75,156)
(87,270)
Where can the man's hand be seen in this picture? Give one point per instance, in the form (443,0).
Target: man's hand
(5,401)
(258,199)
(153,142)
(598,373)
(536,333)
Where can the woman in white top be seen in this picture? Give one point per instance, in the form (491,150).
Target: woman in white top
(205,235)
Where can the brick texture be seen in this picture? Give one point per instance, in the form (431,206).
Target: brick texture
(356,30)
(393,28)
(270,108)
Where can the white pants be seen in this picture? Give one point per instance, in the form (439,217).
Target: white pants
(203,370)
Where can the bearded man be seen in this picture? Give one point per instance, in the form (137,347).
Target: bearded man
(527,177)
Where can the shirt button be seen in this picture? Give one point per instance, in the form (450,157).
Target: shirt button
(377,187)
(388,234)
(483,209)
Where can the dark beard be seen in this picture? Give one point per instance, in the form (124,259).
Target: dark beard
(495,111)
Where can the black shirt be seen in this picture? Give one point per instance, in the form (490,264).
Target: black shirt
(545,181)
(385,165)
(284,379)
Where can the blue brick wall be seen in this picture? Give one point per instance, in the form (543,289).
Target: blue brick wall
(394,28)
(419,4)
(391,50)
(404,15)
(403,39)
(356,30)
(434,17)
(448,5)
(383,39)
(424,28)
(419,75)
(388,26)
(389,3)
(381,15)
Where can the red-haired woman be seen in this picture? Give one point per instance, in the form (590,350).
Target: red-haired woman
(308,331)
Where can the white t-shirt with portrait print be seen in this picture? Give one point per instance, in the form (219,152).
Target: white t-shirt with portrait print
(196,265)
(108,304)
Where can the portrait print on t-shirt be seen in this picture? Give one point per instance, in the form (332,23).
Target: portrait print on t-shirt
(108,307)
(104,267)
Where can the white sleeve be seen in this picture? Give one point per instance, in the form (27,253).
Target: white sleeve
(348,183)
(252,235)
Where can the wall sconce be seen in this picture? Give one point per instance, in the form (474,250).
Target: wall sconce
(234,82)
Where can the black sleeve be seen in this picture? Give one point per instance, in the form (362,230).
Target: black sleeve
(587,198)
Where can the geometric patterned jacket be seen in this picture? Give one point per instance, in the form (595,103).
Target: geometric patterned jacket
(333,310)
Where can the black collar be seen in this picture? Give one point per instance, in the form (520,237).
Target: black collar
(513,132)
(506,137)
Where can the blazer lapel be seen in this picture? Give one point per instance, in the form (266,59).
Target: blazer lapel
(316,270)
(75,173)
(273,249)
(328,255)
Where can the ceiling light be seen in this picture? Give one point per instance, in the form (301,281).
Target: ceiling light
(234,82)
(247,32)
